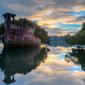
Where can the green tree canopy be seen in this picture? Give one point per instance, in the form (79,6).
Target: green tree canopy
(78,38)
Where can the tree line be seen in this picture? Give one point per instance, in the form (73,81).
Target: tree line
(78,38)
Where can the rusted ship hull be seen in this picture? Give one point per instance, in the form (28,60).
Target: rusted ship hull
(12,38)
(28,43)
(21,44)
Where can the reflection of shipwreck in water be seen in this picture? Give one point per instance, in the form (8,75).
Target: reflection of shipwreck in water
(20,61)
(18,35)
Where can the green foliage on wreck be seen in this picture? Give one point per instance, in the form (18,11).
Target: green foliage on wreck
(78,38)
(42,34)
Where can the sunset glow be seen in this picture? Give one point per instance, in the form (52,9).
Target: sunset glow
(52,14)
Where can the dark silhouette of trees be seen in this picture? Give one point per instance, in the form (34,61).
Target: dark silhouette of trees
(77,56)
(20,60)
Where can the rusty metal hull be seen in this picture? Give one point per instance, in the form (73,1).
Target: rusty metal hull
(27,43)
(13,38)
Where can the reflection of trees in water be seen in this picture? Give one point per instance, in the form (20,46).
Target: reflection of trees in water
(20,60)
(77,56)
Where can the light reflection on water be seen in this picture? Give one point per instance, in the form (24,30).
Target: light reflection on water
(40,67)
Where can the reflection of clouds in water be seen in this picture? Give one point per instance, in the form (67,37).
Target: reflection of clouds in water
(54,71)
(1,76)
(1,47)
(39,78)
(75,69)
(58,50)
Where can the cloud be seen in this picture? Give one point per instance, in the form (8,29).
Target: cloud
(20,7)
(47,13)
(38,5)
(57,32)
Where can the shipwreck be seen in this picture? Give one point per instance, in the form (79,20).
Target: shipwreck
(18,35)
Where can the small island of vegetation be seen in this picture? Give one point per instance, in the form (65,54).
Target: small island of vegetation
(78,38)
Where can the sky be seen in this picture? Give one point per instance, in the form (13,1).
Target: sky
(59,17)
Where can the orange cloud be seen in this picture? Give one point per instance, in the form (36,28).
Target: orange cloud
(50,17)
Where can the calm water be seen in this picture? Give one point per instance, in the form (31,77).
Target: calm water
(34,66)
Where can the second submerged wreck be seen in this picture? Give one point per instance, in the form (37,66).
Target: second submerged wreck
(18,35)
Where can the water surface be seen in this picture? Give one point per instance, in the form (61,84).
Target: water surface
(35,66)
